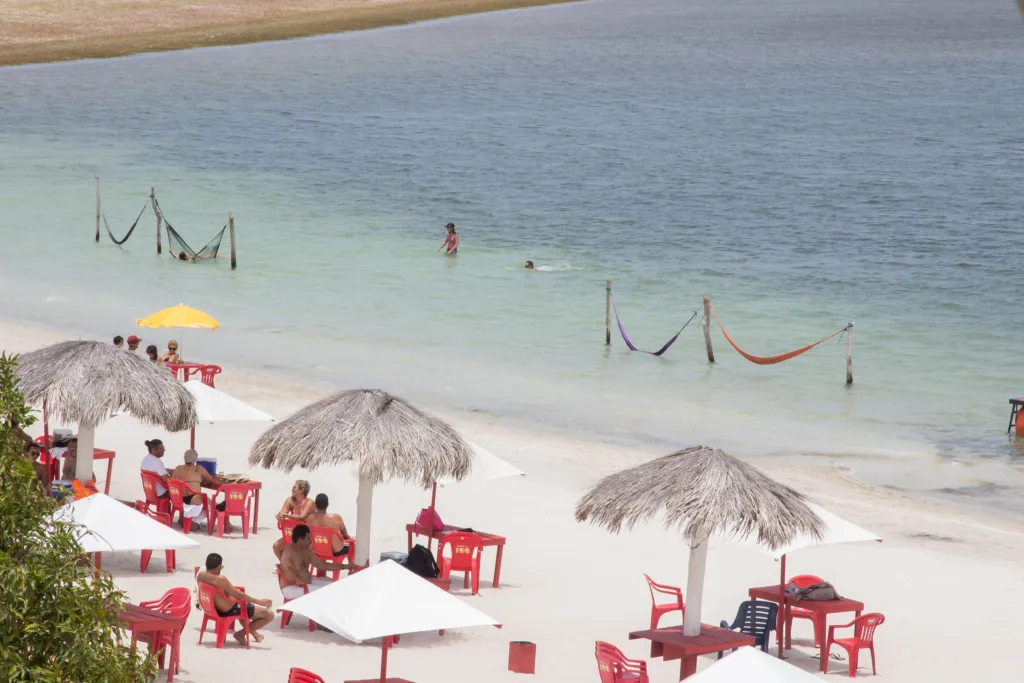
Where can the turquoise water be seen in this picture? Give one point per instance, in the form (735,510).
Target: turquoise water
(804,164)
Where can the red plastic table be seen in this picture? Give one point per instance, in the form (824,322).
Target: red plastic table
(490,540)
(821,607)
(97,454)
(144,620)
(256,486)
(670,643)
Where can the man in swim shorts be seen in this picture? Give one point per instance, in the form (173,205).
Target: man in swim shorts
(258,610)
(295,562)
(321,517)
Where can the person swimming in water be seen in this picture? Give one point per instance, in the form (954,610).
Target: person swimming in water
(451,241)
(529,265)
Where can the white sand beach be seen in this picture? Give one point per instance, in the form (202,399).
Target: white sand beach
(945,578)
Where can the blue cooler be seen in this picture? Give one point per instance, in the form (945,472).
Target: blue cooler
(208,464)
(61,489)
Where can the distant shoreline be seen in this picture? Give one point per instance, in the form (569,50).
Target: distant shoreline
(93,32)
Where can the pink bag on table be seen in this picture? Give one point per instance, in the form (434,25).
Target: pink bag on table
(428,521)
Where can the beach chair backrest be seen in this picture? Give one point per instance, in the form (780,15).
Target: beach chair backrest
(161,517)
(297,675)
(756,618)
(287,526)
(806,580)
(176,489)
(236,498)
(149,487)
(609,661)
(865,625)
(322,538)
(465,548)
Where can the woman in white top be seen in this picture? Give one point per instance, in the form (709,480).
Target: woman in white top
(153,463)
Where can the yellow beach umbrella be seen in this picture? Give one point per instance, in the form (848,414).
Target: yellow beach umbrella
(179,316)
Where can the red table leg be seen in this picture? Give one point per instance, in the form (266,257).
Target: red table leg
(408,541)
(256,511)
(497,565)
(110,469)
(687,667)
(789,627)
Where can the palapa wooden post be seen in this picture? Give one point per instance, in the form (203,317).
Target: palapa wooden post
(707,329)
(159,218)
(97,208)
(849,353)
(231,234)
(607,312)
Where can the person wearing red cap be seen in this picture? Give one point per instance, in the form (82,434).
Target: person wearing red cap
(133,344)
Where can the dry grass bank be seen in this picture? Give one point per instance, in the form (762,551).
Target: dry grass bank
(58,30)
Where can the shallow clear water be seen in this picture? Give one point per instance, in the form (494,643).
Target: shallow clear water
(804,164)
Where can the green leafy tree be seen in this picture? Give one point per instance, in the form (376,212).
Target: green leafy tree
(58,621)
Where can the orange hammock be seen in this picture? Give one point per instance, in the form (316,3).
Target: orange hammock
(771,360)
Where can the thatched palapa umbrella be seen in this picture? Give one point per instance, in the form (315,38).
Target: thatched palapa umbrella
(701,492)
(85,382)
(387,436)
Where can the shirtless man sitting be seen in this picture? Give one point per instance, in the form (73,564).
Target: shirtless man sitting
(297,507)
(295,561)
(321,517)
(259,614)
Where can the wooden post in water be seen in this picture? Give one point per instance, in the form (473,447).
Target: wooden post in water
(231,234)
(849,353)
(159,218)
(607,312)
(707,329)
(97,208)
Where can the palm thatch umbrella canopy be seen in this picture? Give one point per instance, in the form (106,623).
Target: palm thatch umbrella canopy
(85,382)
(388,437)
(701,492)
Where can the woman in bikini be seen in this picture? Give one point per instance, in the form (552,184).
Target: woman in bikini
(297,507)
(451,241)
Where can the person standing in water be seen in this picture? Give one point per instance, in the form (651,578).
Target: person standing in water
(529,265)
(451,241)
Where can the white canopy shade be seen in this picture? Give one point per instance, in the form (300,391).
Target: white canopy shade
(487,465)
(216,406)
(750,664)
(837,530)
(109,526)
(386,600)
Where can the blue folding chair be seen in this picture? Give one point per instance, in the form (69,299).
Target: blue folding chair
(755,618)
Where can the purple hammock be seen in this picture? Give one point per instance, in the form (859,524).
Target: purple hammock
(660,351)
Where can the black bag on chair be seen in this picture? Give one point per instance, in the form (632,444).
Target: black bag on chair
(421,562)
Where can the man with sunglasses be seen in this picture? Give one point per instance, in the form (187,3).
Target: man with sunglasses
(258,610)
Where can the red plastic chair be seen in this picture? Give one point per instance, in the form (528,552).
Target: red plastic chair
(237,501)
(149,488)
(614,667)
(286,616)
(466,549)
(297,675)
(805,581)
(287,526)
(658,610)
(176,602)
(170,559)
(863,639)
(207,600)
(176,491)
(209,372)
(323,538)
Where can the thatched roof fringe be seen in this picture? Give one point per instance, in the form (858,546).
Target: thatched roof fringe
(701,492)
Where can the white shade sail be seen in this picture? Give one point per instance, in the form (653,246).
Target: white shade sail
(487,465)
(750,664)
(216,406)
(386,600)
(837,530)
(109,526)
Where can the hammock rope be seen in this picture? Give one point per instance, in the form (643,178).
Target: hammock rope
(177,246)
(630,345)
(771,360)
(124,239)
